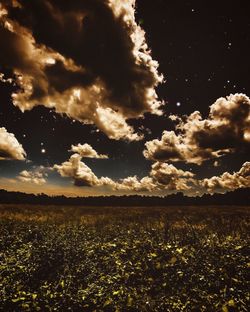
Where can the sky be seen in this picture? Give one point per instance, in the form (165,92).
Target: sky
(119,97)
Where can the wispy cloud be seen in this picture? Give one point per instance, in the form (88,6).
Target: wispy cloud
(37,176)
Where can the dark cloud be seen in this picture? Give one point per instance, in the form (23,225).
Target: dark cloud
(89,56)
(62,78)
(226,130)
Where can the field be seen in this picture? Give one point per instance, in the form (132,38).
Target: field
(124,259)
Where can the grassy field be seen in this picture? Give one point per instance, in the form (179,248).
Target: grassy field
(124,259)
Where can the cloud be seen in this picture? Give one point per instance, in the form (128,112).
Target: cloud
(161,177)
(227,181)
(37,176)
(79,171)
(170,177)
(10,148)
(85,150)
(89,61)
(82,175)
(133,184)
(114,125)
(226,130)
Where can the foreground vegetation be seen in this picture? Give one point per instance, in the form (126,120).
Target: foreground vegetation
(124,259)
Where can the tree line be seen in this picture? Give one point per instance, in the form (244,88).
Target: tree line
(237,197)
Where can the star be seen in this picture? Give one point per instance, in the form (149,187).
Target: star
(178,104)
(43,150)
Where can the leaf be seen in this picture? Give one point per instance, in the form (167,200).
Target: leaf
(34,296)
(107,302)
(224,308)
(158,265)
(130,301)
(179,250)
(238,247)
(173,260)
(231,303)
(153,254)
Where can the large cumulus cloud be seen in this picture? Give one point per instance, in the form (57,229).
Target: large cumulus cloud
(10,148)
(89,60)
(226,130)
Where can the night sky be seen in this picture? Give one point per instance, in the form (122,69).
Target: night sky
(202,50)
